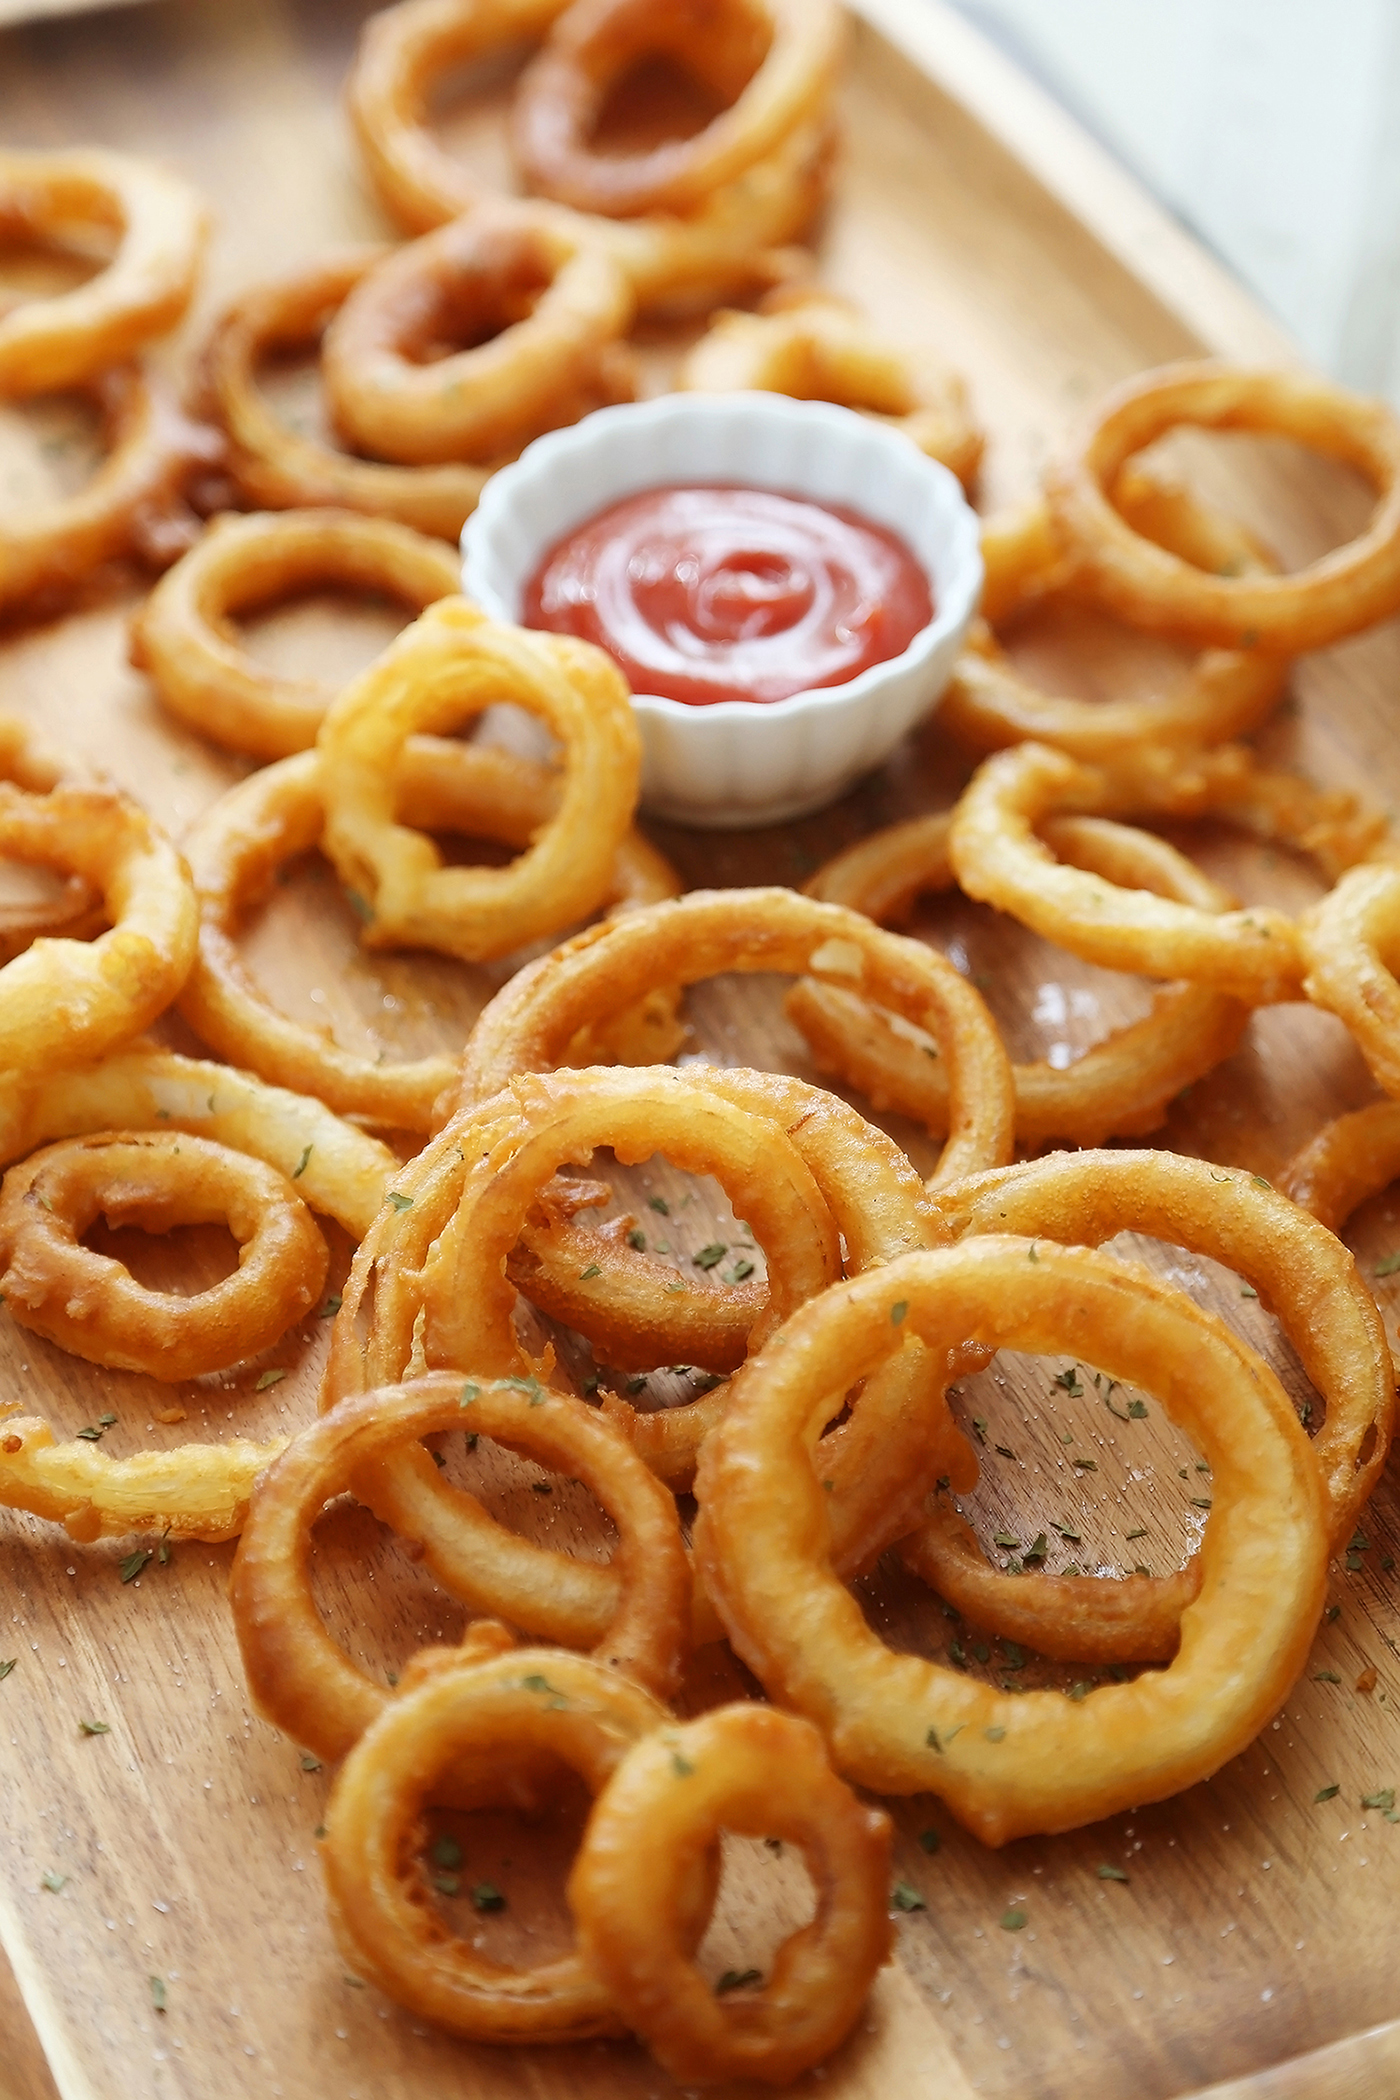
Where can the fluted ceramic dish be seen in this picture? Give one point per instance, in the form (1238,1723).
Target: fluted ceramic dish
(740,762)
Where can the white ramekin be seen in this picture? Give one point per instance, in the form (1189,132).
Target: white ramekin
(738,762)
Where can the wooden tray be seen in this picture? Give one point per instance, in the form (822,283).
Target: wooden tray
(1254,1925)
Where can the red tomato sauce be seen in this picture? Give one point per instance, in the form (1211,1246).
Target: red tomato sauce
(706,594)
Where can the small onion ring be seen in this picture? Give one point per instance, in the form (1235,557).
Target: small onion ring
(1009,1766)
(339,1170)
(1253,954)
(1345,938)
(298,1677)
(558,299)
(130,505)
(199,1491)
(1121,1085)
(94,1307)
(76,910)
(489,1718)
(49,344)
(735,239)
(62,1001)
(773,61)
(1300,1271)
(758,1773)
(1348,589)
(528,1025)
(818,347)
(451,664)
(1351,1158)
(183,636)
(274,465)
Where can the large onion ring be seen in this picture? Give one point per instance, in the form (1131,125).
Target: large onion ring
(1345,939)
(49,344)
(528,1025)
(1122,1085)
(1253,954)
(1344,591)
(759,1773)
(277,467)
(1011,1765)
(303,1682)
(93,1306)
(454,663)
(556,296)
(489,1718)
(62,1001)
(811,344)
(183,636)
(773,61)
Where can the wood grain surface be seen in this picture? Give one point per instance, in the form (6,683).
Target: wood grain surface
(1252,1930)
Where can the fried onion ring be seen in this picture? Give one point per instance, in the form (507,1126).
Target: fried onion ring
(773,62)
(1006,1765)
(529,1024)
(297,1676)
(277,467)
(184,637)
(1351,1158)
(62,1001)
(1348,589)
(1254,954)
(1345,940)
(1122,1085)
(759,1773)
(93,1306)
(199,1491)
(487,1718)
(49,344)
(454,663)
(818,347)
(559,302)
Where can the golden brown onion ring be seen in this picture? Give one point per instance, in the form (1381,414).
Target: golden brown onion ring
(199,1491)
(1345,939)
(757,1773)
(1346,590)
(93,1306)
(772,62)
(818,347)
(1009,1765)
(529,1024)
(542,307)
(184,638)
(452,664)
(1121,1086)
(1351,1158)
(486,1718)
(159,221)
(277,467)
(303,1682)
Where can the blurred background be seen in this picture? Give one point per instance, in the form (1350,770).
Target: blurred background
(1270,127)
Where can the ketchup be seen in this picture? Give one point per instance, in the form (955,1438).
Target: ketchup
(706,594)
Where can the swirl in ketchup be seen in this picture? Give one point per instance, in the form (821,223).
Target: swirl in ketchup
(706,594)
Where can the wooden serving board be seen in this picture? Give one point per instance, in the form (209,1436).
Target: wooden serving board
(1253,1927)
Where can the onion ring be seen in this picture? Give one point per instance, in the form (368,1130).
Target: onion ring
(1122,1085)
(734,240)
(184,638)
(559,300)
(49,344)
(773,61)
(528,1025)
(758,1773)
(811,344)
(297,1676)
(339,1170)
(92,1306)
(278,468)
(130,505)
(1253,954)
(487,1717)
(1344,591)
(1351,1158)
(76,911)
(199,1491)
(1345,938)
(62,1001)
(1011,1765)
(451,664)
